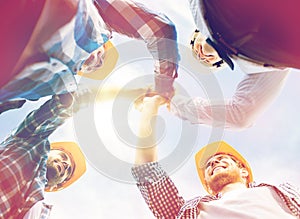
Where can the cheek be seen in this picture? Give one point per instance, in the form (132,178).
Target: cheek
(206,175)
(199,42)
(50,160)
(207,49)
(90,59)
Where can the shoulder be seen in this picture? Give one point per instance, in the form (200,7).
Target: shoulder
(192,207)
(251,68)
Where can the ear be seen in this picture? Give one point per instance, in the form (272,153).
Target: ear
(208,188)
(244,173)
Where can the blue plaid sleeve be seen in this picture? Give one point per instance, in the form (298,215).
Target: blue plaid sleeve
(47,118)
(14,104)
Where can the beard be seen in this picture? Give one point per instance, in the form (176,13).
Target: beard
(218,182)
(52,176)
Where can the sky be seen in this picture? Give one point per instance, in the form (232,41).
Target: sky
(271,145)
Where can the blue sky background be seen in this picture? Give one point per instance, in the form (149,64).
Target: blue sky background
(271,145)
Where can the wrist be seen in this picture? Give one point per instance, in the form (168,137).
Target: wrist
(164,85)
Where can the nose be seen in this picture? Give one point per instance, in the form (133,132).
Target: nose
(61,166)
(99,59)
(66,166)
(214,162)
(207,50)
(91,60)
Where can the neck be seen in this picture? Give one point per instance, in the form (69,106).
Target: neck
(233,186)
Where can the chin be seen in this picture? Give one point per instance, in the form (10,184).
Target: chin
(222,179)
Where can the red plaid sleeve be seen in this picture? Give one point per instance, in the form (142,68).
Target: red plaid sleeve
(162,196)
(289,194)
(158,190)
(156,30)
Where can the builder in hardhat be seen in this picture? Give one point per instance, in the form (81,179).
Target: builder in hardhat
(224,173)
(61,39)
(30,165)
(65,164)
(234,36)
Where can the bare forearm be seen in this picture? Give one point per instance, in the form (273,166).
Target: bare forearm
(146,147)
(145,155)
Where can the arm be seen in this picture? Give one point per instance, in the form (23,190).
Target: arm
(53,113)
(13,104)
(159,192)
(47,118)
(252,96)
(291,197)
(112,92)
(146,150)
(133,20)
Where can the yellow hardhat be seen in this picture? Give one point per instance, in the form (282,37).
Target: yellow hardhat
(219,147)
(110,59)
(74,152)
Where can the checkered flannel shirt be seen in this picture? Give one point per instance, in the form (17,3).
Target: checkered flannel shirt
(91,27)
(23,158)
(163,199)
(157,30)
(67,49)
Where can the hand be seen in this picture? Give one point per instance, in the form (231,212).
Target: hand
(84,97)
(138,103)
(153,103)
(149,109)
(164,86)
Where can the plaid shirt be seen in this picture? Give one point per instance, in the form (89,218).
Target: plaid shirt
(14,104)
(156,30)
(71,45)
(163,199)
(67,49)
(23,158)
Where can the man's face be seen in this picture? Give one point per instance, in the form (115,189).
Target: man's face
(59,167)
(94,61)
(221,170)
(204,52)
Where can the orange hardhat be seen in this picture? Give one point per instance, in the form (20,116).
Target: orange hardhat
(111,56)
(219,147)
(75,153)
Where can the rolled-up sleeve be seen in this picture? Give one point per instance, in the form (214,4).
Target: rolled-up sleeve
(157,30)
(158,190)
(251,98)
(47,118)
